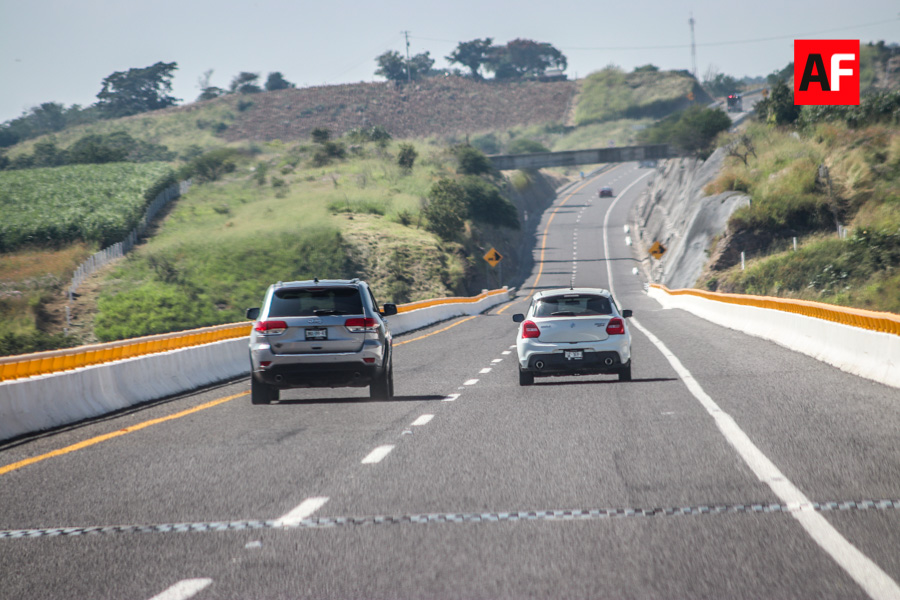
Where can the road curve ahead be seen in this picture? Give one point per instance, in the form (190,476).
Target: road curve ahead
(729,467)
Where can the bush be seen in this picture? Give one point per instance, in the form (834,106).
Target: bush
(320,135)
(406,158)
(472,161)
(211,165)
(446,209)
(487,205)
(526,146)
(692,131)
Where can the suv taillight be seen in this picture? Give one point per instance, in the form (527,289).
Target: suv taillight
(616,326)
(357,325)
(530,330)
(271,327)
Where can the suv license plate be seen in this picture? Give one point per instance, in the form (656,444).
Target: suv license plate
(574,354)
(317,334)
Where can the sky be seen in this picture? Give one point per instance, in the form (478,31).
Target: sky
(61,50)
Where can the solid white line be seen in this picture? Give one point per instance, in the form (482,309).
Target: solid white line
(423,420)
(377,454)
(183,589)
(484,370)
(471,382)
(451,398)
(302,511)
(869,576)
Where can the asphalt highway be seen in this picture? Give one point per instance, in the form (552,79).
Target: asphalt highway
(730,467)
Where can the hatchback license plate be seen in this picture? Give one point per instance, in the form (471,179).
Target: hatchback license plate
(317,334)
(574,354)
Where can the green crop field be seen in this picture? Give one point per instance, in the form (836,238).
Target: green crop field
(95,203)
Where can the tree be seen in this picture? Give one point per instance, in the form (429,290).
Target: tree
(778,108)
(487,205)
(394,68)
(207,90)
(719,84)
(277,82)
(522,58)
(245,83)
(406,158)
(137,90)
(472,55)
(446,209)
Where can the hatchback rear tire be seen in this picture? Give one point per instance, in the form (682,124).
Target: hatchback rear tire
(625,372)
(526,377)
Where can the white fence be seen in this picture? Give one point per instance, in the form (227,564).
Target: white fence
(120,249)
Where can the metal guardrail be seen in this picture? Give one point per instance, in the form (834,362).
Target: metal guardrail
(883,322)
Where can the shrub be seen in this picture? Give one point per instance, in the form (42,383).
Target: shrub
(320,135)
(487,205)
(446,209)
(526,146)
(472,161)
(211,165)
(406,158)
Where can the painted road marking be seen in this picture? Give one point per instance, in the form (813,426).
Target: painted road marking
(484,370)
(868,575)
(471,382)
(496,360)
(451,398)
(183,589)
(423,420)
(108,436)
(376,455)
(302,511)
(505,352)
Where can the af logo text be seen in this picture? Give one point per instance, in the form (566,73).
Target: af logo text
(826,72)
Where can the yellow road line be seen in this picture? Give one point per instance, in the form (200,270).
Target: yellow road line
(422,337)
(108,436)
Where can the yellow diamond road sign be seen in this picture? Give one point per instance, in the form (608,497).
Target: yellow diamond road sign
(657,250)
(493,257)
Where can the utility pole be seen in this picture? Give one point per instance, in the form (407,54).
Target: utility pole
(693,47)
(408,76)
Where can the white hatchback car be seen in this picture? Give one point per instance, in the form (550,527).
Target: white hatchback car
(573,331)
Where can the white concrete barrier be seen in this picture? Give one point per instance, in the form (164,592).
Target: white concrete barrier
(870,354)
(55,399)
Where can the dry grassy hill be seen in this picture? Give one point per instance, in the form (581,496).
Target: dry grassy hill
(432,107)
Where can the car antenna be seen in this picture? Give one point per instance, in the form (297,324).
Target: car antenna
(315,280)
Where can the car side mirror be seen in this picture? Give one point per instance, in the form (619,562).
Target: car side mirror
(518,317)
(626,313)
(253,313)
(389,309)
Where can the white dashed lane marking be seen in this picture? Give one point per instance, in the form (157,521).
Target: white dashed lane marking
(471,382)
(183,589)
(484,370)
(423,420)
(376,455)
(302,511)
(451,398)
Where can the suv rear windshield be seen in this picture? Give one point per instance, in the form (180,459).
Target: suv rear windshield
(573,305)
(302,302)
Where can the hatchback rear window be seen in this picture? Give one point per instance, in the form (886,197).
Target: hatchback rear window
(575,305)
(302,302)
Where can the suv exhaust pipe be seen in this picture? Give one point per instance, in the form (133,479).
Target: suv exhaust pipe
(608,361)
(539,365)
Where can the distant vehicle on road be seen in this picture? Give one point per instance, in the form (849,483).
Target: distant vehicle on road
(605,192)
(573,331)
(327,333)
(735,103)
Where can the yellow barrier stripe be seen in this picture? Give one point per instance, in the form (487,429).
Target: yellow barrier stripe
(422,337)
(108,436)
(65,360)
(883,322)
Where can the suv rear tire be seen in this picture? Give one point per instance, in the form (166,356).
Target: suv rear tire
(262,393)
(383,387)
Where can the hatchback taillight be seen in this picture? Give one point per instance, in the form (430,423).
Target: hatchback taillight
(271,327)
(530,330)
(616,326)
(357,325)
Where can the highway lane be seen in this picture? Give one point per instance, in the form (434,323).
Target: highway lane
(487,466)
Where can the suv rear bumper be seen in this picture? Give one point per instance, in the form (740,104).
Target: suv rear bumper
(334,375)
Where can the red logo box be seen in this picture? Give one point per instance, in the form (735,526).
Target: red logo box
(826,72)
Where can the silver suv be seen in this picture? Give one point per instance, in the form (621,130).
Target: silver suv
(320,333)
